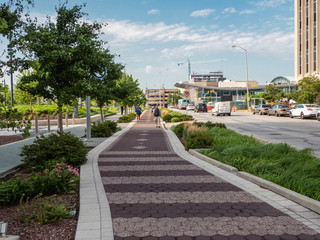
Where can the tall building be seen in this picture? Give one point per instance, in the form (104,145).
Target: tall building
(307,38)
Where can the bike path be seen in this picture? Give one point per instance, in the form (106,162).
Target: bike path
(155,193)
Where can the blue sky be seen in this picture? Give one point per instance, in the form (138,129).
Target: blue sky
(153,35)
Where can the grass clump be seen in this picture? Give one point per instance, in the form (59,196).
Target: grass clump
(282,164)
(278,163)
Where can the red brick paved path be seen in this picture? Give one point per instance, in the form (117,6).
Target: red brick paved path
(155,194)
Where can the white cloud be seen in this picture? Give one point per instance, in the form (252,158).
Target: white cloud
(153,11)
(148,69)
(231,26)
(229,10)
(202,13)
(182,40)
(269,3)
(247,11)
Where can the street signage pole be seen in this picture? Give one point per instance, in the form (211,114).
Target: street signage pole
(88,106)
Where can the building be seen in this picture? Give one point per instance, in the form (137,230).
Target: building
(234,91)
(156,97)
(307,38)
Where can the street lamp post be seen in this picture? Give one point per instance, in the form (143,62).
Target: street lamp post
(160,84)
(248,95)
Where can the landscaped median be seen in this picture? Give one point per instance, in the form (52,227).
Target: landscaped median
(172,116)
(42,199)
(280,164)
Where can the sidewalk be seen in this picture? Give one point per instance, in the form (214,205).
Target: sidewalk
(142,184)
(9,153)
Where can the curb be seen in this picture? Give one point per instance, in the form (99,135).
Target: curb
(307,202)
(94,221)
(195,152)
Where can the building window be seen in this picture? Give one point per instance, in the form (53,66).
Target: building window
(300,38)
(314,35)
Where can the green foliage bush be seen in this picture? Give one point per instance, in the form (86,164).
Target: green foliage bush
(52,109)
(127,118)
(54,147)
(44,210)
(178,129)
(167,118)
(173,116)
(60,178)
(175,119)
(105,129)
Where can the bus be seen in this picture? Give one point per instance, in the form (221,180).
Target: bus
(183,103)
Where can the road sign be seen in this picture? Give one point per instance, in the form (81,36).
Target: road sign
(97,75)
(186,94)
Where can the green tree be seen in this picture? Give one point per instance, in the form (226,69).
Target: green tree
(173,98)
(309,89)
(11,24)
(272,93)
(68,53)
(128,93)
(103,90)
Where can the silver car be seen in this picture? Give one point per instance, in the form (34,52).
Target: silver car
(261,109)
(304,111)
(279,110)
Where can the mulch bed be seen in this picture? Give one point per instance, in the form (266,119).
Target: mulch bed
(64,229)
(9,139)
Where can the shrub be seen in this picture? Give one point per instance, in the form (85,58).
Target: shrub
(209,124)
(167,118)
(12,190)
(105,129)
(61,178)
(44,210)
(175,119)
(127,118)
(198,140)
(178,129)
(46,149)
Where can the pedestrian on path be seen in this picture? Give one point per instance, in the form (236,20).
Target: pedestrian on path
(157,115)
(138,112)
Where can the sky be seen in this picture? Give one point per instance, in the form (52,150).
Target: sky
(153,36)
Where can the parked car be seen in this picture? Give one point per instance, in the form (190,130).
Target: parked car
(279,110)
(318,115)
(221,108)
(304,111)
(201,107)
(190,107)
(261,109)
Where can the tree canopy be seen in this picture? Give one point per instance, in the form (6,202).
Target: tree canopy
(68,52)
(309,89)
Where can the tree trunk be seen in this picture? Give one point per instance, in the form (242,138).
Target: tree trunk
(126,110)
(102,118)
(60,125)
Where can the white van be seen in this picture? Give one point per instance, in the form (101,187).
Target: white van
(221,108)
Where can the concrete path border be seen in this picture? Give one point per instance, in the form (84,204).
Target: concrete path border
(94,220)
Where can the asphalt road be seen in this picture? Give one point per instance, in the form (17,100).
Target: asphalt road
(296,132)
